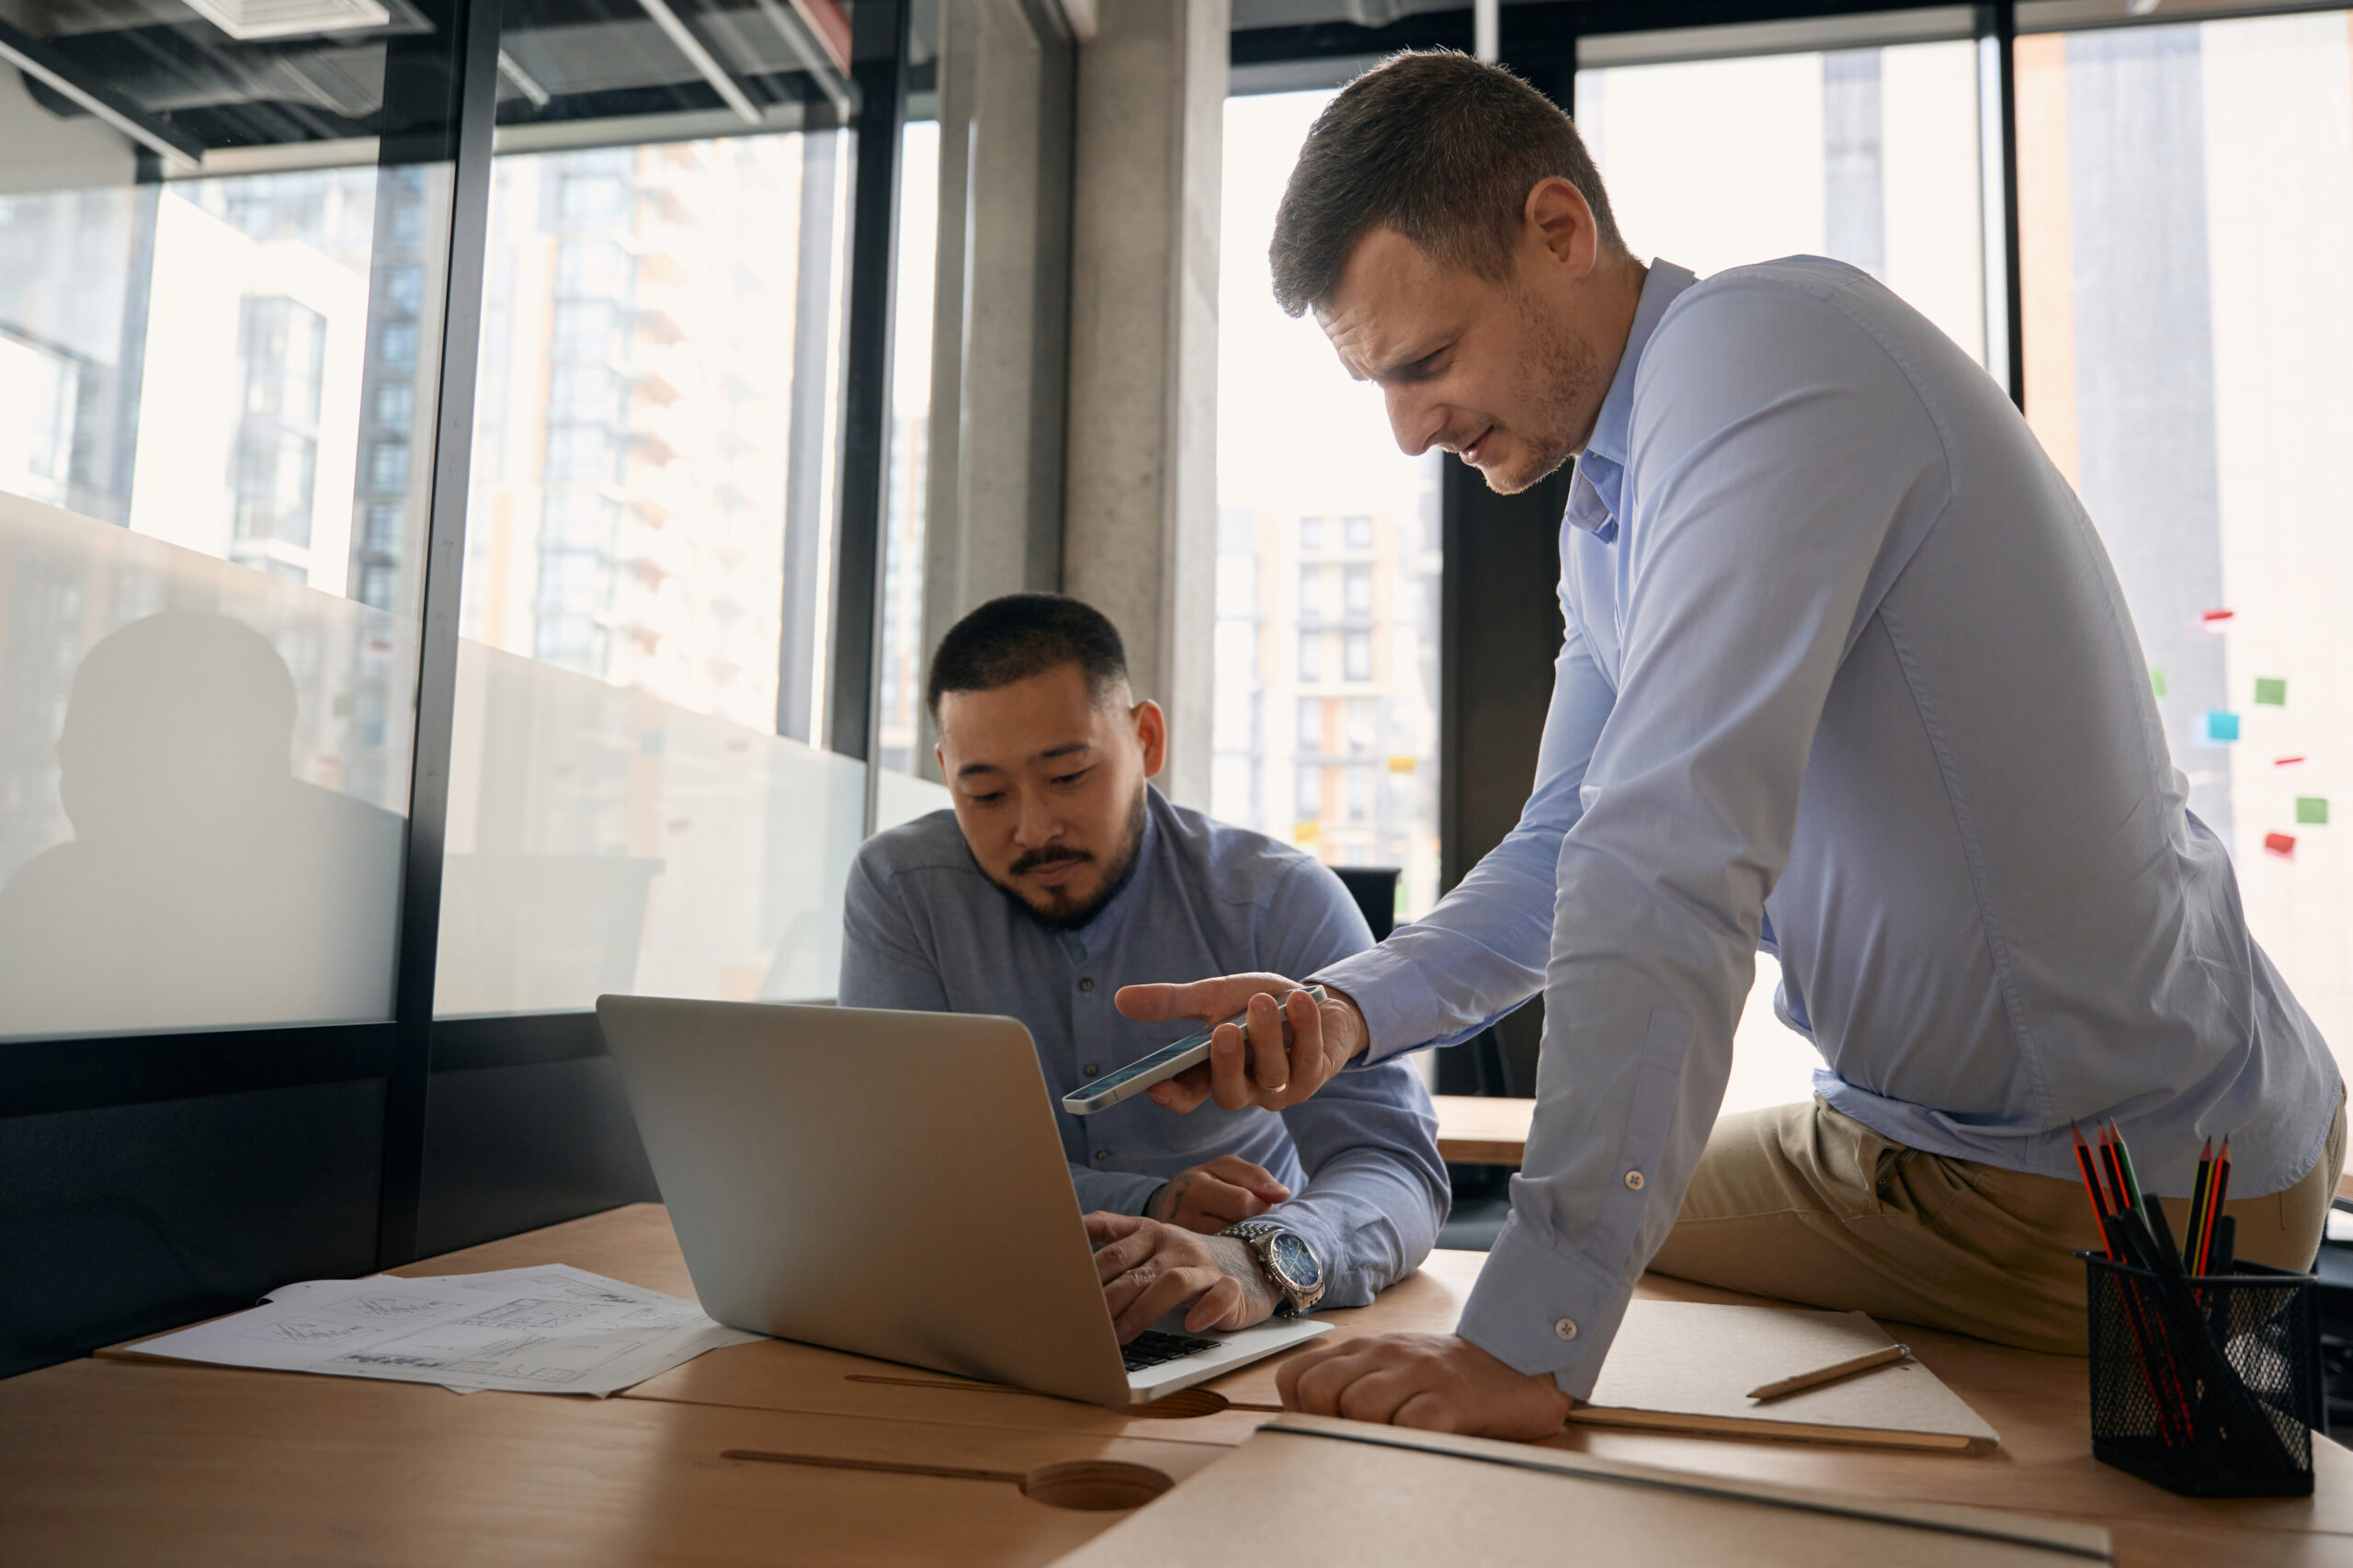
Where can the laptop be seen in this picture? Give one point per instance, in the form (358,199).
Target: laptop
(891,1185)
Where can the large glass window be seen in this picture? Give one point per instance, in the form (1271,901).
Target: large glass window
(2186,204)
(638,798)
(1870,154)
(218,319)
(1328,562)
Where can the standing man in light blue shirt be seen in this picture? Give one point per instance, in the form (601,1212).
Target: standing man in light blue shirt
(1059,875)
(1847,678)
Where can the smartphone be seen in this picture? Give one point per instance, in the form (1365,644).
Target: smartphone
(1160,1065)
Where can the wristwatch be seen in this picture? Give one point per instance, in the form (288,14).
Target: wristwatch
(1289,1264)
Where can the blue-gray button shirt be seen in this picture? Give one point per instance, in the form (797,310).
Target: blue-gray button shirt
(1847,677)
(925,930)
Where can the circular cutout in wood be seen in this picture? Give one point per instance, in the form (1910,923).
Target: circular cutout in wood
(1094,1485)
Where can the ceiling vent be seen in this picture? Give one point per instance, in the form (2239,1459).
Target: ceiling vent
(247,20)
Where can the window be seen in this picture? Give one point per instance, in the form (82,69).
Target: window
(388,467)
(1871,155)
(1306,455)
(628,807)
(2185,207)
(397,347)
(405,288)
(906,510)
(396,404)
(186,422)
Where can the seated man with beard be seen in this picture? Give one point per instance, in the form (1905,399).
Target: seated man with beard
(1060,875)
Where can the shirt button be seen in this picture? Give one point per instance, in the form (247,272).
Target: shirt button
(1102,1154)
(1092,1069)
(1634,1181)
(1566,1328)
(1087,986)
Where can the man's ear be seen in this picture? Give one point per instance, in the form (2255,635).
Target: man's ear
(940,755)
(1563,224)
(1152,733)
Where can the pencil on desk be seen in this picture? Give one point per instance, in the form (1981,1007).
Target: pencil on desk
(1800,1381)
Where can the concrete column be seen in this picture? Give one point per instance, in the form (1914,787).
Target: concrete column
(993,518)
(1140,532)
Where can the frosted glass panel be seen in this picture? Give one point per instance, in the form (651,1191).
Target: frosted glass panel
(902,797)
(202,791)
(603,840)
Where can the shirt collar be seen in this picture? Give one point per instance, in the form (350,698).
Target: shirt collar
(1596,494)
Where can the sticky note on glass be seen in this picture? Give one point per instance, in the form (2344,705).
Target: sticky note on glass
(1400,764)
(2222,728)
(2156,680)
(2313,809)
(2271,693)
(2280,844)
(2218,620)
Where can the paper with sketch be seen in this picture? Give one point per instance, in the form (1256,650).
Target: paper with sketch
(553,1329)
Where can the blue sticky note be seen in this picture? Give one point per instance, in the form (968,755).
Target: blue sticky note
(2222,728)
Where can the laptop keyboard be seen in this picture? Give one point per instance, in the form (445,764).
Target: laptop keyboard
(1151,1348)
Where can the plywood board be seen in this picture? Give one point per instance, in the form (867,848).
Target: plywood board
(1686,1367)
(1308,1490)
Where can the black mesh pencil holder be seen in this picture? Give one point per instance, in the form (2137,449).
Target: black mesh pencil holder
(2207,1387)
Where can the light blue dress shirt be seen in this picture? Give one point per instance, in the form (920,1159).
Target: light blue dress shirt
(925,930)
(1848,679)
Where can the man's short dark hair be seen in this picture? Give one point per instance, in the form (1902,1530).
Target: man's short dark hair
(1020,635)
(1440,147)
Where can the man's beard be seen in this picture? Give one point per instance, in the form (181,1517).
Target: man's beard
(1557,376)
(1067,915)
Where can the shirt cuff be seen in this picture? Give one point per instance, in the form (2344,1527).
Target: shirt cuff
(1394,993)
(1539,1310)
(1116,1192)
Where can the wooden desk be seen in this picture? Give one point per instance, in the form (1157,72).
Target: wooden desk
(776,1394)
(1474,1130)
(108,1460)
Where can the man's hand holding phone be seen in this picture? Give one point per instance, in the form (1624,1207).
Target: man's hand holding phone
(1288,1048)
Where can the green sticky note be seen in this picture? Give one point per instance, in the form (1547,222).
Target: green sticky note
(2313,809)
(2269,692)
(2156,680)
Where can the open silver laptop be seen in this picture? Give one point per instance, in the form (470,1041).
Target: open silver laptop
(890,1184)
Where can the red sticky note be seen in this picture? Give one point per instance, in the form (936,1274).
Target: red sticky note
(2218,619)
(2287,762)
(2280,844)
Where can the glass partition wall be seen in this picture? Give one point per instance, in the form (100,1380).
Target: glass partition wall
(429,463)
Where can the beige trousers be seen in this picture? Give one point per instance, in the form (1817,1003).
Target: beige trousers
(1802,1203)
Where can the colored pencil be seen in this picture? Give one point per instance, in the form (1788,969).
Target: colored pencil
(2220,1195)
(2195,1236)
(2091,1187)
(2124,1163)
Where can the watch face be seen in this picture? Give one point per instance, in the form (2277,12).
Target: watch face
(1296,1261)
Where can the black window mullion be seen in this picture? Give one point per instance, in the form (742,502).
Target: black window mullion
(878,51)
(455,101)
(2001,24)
